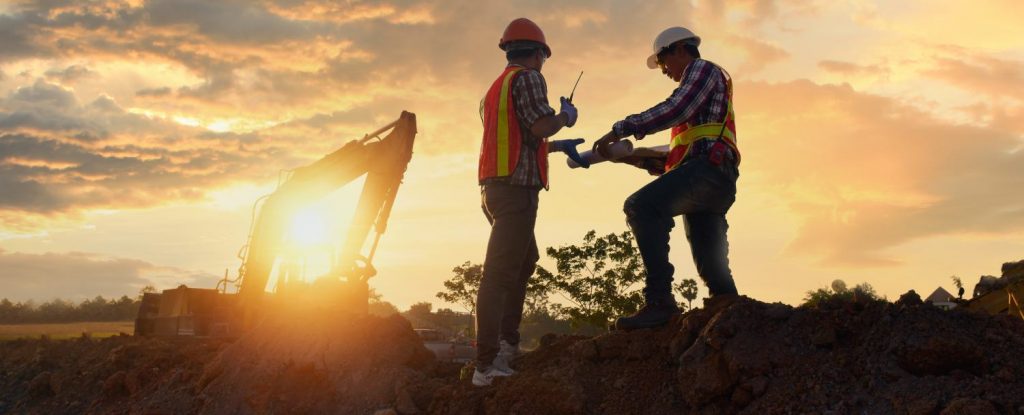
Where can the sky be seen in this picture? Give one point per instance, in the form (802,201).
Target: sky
(881,141)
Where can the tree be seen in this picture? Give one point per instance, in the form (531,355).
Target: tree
(687,288)
(146,290)
(377,306)
(840,292)
(959,287)
(421,309)
(462,288)
(597,277)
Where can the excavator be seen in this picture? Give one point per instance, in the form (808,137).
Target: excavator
(186,311)
(1003,295)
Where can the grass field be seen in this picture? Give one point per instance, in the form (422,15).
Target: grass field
(65,330)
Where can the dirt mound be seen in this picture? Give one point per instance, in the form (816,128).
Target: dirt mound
(744,357)
(752,357)
(290,364)
(324,365)
(120,374)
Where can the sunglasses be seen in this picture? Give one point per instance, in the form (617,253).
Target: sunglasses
(660,60)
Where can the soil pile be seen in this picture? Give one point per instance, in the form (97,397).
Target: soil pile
(305,363)
(743,357)
(757,358)
(344,365)
(122,374)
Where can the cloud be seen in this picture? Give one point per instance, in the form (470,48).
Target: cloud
(849,69)
(69,75)
(975,72)
(759,54)
(154,92)
(867,173)
(78,275)
(15,39)
(230,22)
(58,157)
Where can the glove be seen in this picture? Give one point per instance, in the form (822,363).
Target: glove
(569,148)
(569,110)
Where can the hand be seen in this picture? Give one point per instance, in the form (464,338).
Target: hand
(570,112)
(569,148)
(601,146)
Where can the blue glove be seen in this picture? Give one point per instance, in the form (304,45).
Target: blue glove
(569,148)
(569,110)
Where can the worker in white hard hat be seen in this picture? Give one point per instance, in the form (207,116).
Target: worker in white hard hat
(696,178)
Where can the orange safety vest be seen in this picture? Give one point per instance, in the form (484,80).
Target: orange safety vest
(683,135)
(499,152)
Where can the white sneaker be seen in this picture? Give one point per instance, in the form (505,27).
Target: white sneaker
(486,377)
(506,354)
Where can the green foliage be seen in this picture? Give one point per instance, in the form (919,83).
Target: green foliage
(599,279)
(840,292)
(65,311)
(462,288)
(464,285)
(377,306)
(422,308)
(687,288)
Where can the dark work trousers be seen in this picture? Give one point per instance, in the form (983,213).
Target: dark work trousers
(702,192)
(511,259)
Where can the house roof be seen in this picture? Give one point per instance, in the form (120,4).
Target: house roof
(940,296)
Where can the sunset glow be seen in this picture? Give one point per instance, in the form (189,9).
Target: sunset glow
(879,144)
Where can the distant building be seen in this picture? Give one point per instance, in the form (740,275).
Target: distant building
(941,298)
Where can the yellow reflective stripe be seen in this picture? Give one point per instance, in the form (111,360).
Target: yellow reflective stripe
(503,132)
(709,130)
(695,133)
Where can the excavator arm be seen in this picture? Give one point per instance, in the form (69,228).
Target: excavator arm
(382,160)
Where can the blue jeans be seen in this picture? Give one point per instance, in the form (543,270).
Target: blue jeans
(702,192)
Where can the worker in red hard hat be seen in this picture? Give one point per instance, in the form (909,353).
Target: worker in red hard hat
(513,168)
(696,179)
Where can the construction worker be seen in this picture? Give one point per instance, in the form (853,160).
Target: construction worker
(513,168)
(697,178)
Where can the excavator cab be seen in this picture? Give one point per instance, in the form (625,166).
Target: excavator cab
(218,312)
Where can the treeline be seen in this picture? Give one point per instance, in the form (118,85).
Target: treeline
(65,311)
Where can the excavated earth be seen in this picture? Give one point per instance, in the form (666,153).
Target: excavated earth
(745,357)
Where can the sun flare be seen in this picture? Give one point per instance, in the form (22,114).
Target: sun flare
(308,228)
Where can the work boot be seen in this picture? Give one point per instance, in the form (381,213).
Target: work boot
(720,302)
(653,314)
(506,354)
(485,377)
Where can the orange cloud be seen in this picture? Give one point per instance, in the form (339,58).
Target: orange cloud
(867,173)
(76,275)
(849,69)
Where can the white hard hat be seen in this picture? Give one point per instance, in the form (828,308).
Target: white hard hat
(668,37)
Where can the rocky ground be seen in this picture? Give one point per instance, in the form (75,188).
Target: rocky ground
(745,357)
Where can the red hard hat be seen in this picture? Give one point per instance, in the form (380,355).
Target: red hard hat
(524,29)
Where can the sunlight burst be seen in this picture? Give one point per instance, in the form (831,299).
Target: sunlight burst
(308,228)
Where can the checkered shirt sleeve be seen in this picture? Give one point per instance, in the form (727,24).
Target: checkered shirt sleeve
(700,98)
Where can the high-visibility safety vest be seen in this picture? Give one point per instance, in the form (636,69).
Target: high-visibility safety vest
(683,135)
(499,152)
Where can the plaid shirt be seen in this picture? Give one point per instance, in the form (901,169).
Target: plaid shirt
(700,98)
(530,93)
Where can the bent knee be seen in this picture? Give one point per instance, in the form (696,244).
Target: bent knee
(637,206)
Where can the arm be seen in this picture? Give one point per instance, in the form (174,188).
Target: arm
(655,165)
(549,125)
(697,86)
(533,108)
